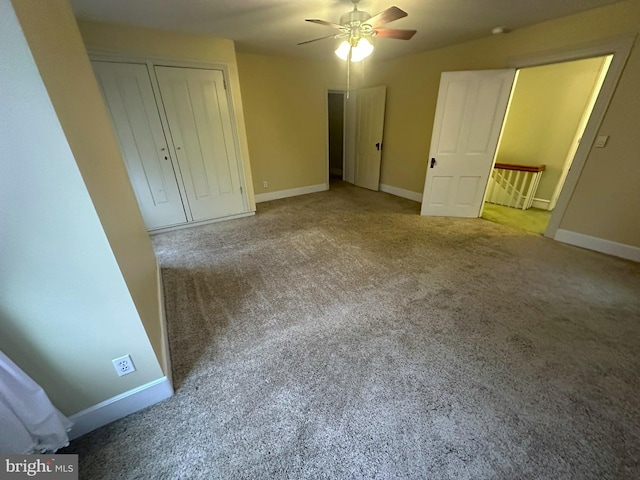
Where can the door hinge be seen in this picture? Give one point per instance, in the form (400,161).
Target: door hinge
(224,83)
(240,189)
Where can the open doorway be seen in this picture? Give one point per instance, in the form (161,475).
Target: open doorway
(336,134)
(548,111)
(355,127)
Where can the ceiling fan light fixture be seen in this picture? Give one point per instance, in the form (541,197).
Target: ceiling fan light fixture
(362,49)
(343,50)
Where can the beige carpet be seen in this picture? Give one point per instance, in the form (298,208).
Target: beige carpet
(341,335)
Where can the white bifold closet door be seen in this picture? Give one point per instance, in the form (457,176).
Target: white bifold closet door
(129,97)
(197,109)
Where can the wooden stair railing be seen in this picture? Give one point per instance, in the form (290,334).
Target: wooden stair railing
(514,185)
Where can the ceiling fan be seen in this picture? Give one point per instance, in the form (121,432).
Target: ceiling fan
(357,27)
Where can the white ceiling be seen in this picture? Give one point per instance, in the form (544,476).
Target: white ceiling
(276,26)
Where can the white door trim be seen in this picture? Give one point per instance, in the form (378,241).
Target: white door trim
(620,48)
(575,143)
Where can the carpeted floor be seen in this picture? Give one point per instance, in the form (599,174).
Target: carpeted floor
(532,220)
(341,335)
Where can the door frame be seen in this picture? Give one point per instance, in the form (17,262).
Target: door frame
(620,48)
(152,61)
(575,143)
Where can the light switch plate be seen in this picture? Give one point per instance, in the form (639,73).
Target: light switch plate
(601,141)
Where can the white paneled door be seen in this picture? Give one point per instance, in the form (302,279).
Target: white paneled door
(199,117)
(129,97)
(370,106)
(469,115)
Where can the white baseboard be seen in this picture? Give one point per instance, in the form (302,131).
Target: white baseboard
(401,192)
(293,192)
(540,203)
(165,361)
(203,222)
(120,406)
(598,244)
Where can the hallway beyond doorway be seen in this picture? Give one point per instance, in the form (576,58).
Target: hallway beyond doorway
(532,220)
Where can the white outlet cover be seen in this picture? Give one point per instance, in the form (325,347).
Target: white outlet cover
(124,365)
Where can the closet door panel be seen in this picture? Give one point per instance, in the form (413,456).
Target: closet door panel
(209,111)
(199,118)
(184,132)
(131,103)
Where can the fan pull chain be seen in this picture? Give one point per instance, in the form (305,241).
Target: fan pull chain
(349,72)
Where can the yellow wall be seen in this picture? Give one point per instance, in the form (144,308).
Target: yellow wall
(547,104)
(102,168)
(85,287)
(163,44)
(606,201)
(286,115)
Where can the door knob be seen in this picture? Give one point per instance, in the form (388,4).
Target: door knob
(433,162)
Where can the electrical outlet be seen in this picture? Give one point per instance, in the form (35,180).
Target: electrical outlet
(124,365)
(265,184)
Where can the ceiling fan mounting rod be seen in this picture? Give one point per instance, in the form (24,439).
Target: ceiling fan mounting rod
(354,24)
(354,18)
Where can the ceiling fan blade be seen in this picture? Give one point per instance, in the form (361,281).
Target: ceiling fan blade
(335,35)
(386,16)
(393,33)
(323,22)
